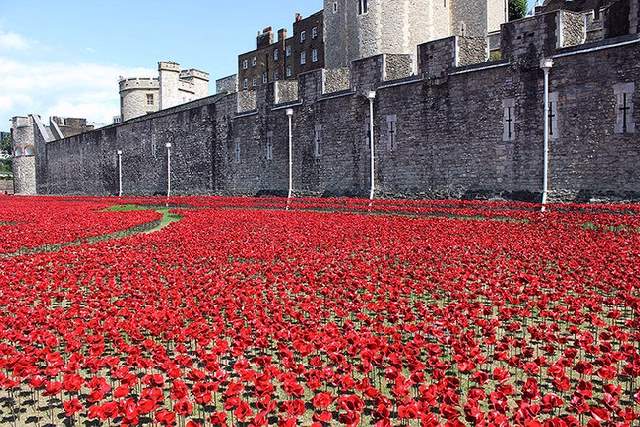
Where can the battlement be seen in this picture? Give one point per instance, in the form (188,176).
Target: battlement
(194,74)
(168,66)
(134,83)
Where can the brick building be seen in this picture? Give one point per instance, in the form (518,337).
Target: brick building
(285,58)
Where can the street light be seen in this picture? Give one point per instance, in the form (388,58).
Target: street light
(372,96)
(119,173)
(546,64)
(290,116)
(168,145)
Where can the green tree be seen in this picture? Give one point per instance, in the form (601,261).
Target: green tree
(517,9)
(5,144)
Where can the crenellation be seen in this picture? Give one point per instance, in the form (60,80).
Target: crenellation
(457,126)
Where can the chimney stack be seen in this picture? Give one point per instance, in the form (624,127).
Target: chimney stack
(265,39)
(298,17)
(282,34)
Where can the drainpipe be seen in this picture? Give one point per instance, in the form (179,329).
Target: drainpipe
(546,65)
(372,96)
(290,116)
(168,145)
(119,173)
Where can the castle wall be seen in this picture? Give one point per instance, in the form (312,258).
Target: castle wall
(447,138)
(24,175)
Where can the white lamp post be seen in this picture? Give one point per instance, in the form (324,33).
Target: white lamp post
(119,173)
(290,116)
(372,96)
(546,64)
(168,145)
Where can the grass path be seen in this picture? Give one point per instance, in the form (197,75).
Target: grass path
(150,227)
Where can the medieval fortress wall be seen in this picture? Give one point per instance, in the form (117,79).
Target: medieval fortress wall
(460,126)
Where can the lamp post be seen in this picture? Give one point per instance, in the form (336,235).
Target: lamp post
(372,96)
(168,145)
(119,173)
(546,64)
(290,116)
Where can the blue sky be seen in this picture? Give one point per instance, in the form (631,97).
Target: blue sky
(64,57)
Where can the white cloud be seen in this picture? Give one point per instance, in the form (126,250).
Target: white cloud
(13,41)
(86,90)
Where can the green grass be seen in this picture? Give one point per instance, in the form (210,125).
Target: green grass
(147,228)
(590,226)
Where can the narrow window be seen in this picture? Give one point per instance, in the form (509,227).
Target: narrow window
(255,82)
(554,130)
(150,99)
(314,55)
(254,61)
(275,76)
(392,135)
(303,36)
(288,51)
(317,141)
(245,84)
(269,146)
(265,78)
(303,58)
(509,120)
(463,29)
(289,72)
(276,55)
(335,7)
(363,7)
(237,152)
(624,93)
(245,64)
(314,32)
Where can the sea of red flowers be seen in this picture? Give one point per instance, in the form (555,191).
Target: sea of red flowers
(249,312)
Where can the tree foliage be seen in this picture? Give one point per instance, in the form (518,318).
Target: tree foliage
(5,144)
(517,9)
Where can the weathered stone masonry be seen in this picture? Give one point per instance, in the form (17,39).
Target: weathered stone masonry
(448,135)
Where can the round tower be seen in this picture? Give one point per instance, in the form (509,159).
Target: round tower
(138,97)
(24,161)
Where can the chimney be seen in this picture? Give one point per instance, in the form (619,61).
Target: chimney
(298,17)
(282,34)
(265,39)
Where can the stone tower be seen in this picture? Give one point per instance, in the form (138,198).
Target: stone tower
(356,29)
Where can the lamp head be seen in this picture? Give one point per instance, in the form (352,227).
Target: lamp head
(289,112)
(168,145)
(546,63)
(371,94)
(119,152)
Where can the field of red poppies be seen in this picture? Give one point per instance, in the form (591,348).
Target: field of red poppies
(330,312)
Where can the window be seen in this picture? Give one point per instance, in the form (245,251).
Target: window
(265,78)
(245,64)
(314,55)
(391,132)
(624,108)
(276,55)
(245,84)
(303,58)
(314,33)
(303,36)
(463,29)
(363,7)
(317,141)
(288,51)
(149,99)
(335,7)
(276,75)
(255,82)
(509,120)
(254,61)
(237,152)
(289,72)
(554,130)
(269,145)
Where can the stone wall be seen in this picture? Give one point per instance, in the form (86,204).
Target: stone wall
(286,91)
(574,31)
(448,140)
(227,84)
(24,170)
(6,186)
(336,80)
